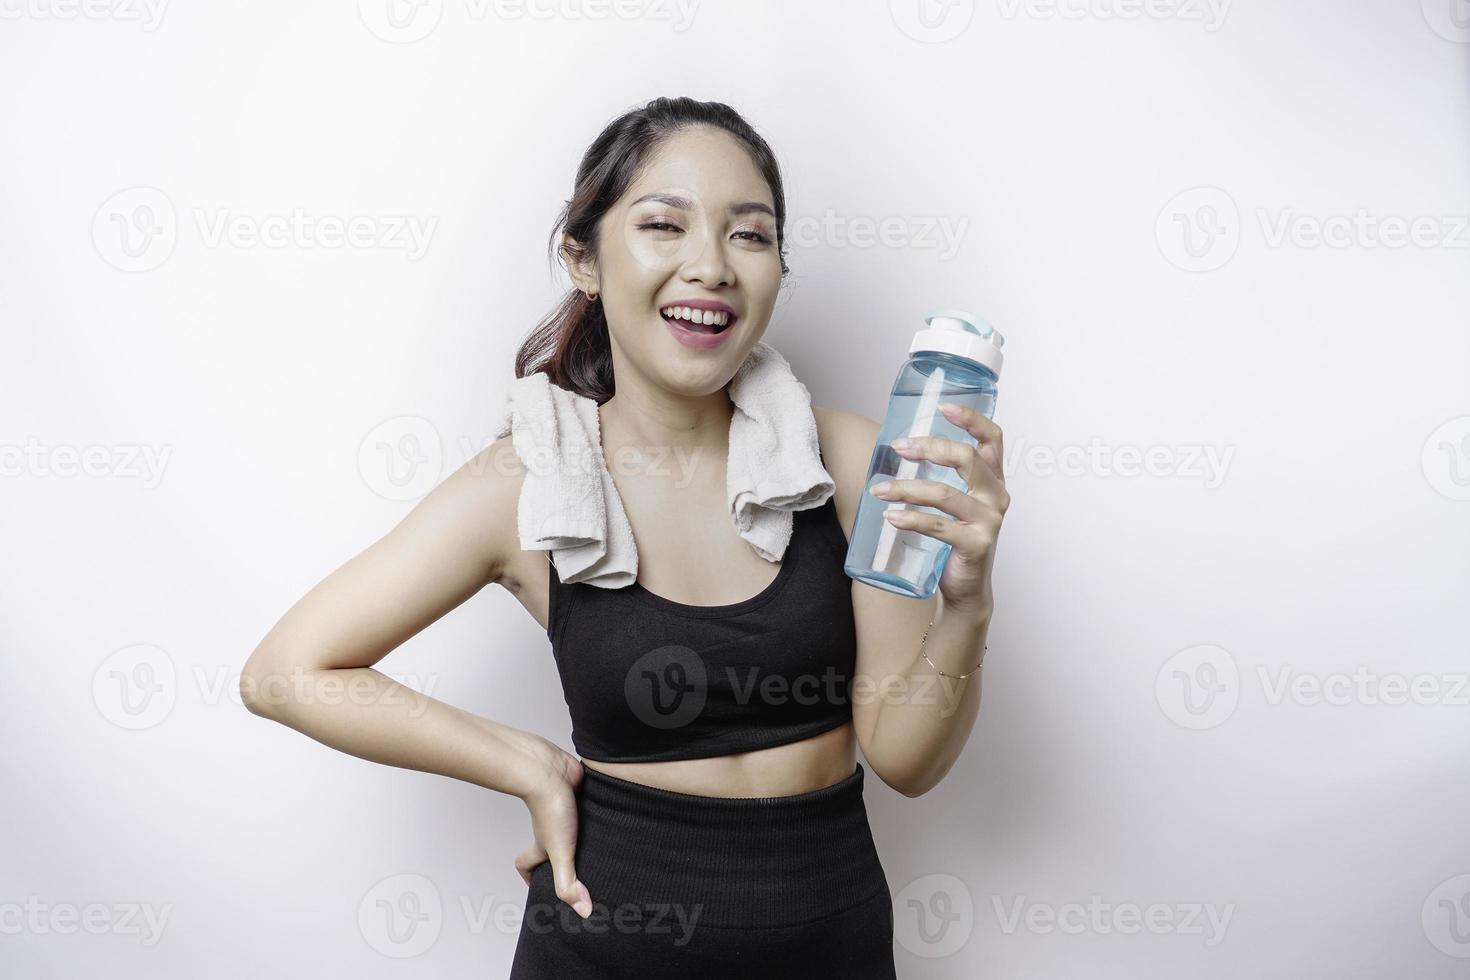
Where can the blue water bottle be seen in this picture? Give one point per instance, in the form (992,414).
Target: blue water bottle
(956,359)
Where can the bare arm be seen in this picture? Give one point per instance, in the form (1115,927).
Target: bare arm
(314,670)
(912,723)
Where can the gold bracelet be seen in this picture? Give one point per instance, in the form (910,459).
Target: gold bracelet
(958,677)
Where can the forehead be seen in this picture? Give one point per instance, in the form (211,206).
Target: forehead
(707,165)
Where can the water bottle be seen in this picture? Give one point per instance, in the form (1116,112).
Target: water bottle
(955,359)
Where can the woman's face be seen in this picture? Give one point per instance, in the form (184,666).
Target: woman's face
(697,225)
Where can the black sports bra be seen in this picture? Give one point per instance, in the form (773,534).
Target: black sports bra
(649,679)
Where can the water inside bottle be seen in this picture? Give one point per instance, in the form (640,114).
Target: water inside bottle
(897,559)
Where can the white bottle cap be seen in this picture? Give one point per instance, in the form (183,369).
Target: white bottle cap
(962,334)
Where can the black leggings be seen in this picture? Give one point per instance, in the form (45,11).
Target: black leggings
(714,887)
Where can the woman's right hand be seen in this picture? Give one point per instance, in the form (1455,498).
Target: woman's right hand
(553,805)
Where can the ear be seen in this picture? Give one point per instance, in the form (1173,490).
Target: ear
(574,259)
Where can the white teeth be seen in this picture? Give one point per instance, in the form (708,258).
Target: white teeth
(705,317)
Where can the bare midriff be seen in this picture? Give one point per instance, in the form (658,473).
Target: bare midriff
(781,770)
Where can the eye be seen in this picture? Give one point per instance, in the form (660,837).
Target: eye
(664,226)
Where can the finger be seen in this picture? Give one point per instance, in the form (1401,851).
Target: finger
(985,431)
(959,456)
(985,484)
(932,493)
(972,421)
(966,537)
(970,462)
(568,888)
(528,860)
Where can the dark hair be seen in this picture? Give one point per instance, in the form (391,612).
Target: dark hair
(571,344)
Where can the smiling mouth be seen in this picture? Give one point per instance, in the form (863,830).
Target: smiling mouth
(710,328)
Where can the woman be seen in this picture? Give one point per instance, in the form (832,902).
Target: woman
(735,841)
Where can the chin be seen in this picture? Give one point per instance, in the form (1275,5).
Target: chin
(698,380)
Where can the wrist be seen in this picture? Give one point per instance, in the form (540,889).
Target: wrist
(974,615)
(954,643)
(530,763)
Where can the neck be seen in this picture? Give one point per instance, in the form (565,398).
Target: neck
(654,418)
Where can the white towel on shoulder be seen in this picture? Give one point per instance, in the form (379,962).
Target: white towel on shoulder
(774,466)
(568,503)
(570,506)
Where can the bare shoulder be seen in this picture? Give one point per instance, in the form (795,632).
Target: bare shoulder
(486,491)
(847,441)
(469,519)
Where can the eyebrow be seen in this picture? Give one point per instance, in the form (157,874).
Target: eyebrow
(675,201)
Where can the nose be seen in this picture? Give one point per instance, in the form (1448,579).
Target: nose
(707,265)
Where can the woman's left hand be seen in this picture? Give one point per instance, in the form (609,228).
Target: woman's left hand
(978,512)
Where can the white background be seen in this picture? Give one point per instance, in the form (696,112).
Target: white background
(1135,745)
